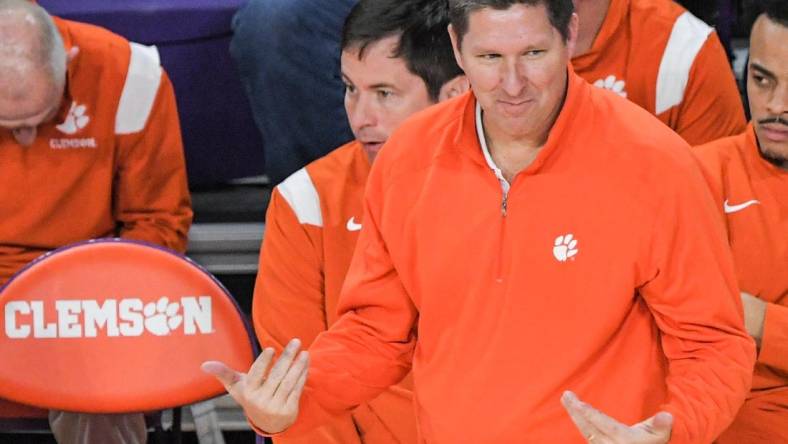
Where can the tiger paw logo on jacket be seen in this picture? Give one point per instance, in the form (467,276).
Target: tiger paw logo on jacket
(613,84)
(75,120)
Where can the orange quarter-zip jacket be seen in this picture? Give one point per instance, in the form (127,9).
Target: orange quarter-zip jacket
(607,272)
(661,57)
(752,198)
(312,225)
(110,164)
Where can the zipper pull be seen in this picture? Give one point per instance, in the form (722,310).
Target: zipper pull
(503,204)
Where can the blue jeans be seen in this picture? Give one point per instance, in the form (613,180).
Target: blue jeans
(287,53)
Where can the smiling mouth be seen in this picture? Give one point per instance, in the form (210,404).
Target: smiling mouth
(514,107)
(515,103)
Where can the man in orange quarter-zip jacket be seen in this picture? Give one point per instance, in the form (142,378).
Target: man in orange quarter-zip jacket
(533,243)
(102,158)
(748,175)
(315,215)
(661,57)
(90,147)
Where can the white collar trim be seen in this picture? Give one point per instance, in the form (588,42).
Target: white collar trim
(486,150)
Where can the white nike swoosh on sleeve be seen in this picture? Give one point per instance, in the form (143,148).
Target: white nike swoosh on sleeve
(735,208)
(352,225)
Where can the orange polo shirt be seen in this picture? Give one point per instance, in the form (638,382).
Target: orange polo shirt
(312,225)
(110,164)
(603,270)
(661,57)
(752,196)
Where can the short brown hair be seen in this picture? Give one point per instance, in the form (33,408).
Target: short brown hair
(559,12)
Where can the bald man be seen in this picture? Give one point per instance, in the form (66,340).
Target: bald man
(90,147)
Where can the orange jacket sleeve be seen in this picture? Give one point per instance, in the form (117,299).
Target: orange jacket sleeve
(712,107)
(288,294)
(152,200)
(710,354)
(370,347)
(774,343)
(288,300)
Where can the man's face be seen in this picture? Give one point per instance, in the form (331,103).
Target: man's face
(25,106)
(767,88)
(380,93)
(516,62)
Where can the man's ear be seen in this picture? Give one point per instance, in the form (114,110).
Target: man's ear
(574,30)
(453,88)
(72,54)
(455,46)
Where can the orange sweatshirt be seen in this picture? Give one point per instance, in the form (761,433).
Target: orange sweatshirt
(606,272)
(312,225)
(661,57)
(110,164)
(752,197)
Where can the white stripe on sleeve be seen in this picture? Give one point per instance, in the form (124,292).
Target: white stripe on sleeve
(686,39)
(139,91)
(299,191)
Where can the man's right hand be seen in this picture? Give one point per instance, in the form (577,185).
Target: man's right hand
(269,398)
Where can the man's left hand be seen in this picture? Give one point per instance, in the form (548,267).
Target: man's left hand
(754,315)
(598,428)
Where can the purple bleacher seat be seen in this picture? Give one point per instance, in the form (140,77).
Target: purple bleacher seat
(220,139)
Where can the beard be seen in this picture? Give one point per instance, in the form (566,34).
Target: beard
(777,159)
(774,157)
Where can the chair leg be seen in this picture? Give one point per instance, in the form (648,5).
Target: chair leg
(158,434)
(206,422)
(177,417)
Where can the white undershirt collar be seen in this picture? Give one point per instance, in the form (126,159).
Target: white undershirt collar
(486,151)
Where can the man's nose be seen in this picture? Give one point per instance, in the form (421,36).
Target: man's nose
(777,104)
(363,115)
(512,80)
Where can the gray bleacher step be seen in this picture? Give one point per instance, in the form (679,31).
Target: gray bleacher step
(232,203)
(226,248)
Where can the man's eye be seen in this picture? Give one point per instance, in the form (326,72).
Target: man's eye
(350,88)
(383,94)
(488,56)
(760,80)
(534,52)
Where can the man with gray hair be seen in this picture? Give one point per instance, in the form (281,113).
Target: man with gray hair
(525,245)
(90,147)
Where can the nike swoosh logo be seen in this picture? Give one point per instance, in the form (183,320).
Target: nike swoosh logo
(352,225)
(735,208)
